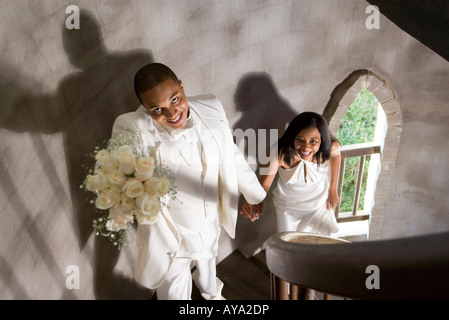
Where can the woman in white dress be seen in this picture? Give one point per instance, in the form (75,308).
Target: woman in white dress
(308,163)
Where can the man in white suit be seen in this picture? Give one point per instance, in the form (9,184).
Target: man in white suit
(192,137)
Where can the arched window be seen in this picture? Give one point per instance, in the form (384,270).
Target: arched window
(363,123)
(386,138)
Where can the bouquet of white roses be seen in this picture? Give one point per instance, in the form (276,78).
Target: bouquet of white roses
(128,187)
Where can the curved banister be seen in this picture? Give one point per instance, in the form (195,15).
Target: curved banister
(408,268)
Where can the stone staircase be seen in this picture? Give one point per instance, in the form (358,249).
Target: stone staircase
(249,278)
(243,278)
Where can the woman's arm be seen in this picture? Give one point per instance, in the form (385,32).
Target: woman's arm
(268,173)
(334,164)
(266,178)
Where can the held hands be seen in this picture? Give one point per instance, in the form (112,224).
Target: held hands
(332,200)
(252,211)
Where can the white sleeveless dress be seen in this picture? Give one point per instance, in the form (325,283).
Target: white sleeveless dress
(300,199)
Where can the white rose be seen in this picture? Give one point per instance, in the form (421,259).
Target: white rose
(157,186)
(118,219)
(105,160)
(127,203)
(93,182)
(133,188)
(102,173)
(125,159)
(111,187)
(116,177)
(144,168)
(127,169)
(107,199)
(116,225)
(148,209)
(145,218)
(103,156)
(106,184)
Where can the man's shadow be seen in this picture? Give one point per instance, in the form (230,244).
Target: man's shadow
(262,107)
(83,109)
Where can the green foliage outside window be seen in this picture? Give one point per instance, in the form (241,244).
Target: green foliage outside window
(357,126)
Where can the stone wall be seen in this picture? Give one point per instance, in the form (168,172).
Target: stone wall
(265,59)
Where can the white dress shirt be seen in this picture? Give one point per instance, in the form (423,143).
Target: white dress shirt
(194,210)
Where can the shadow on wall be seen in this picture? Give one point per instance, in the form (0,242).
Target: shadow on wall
(260,103)
(83,109)
(262,108)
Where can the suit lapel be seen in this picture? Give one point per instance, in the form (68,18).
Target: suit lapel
(209,132)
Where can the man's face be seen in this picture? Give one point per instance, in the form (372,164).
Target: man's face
(167,104)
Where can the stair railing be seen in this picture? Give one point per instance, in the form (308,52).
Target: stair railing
(404,268)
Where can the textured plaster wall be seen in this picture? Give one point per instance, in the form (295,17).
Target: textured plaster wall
(266,60)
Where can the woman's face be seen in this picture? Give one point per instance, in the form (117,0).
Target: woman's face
(307,143)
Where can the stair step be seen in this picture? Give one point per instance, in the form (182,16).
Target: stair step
(260,261)
(243,279)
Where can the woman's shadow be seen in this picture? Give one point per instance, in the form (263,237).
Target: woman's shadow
(83,109)
(263,109)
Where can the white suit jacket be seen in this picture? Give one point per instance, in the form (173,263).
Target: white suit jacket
(157,244)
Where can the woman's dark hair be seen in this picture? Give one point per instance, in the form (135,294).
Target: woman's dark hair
(286,146)
(150,76)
